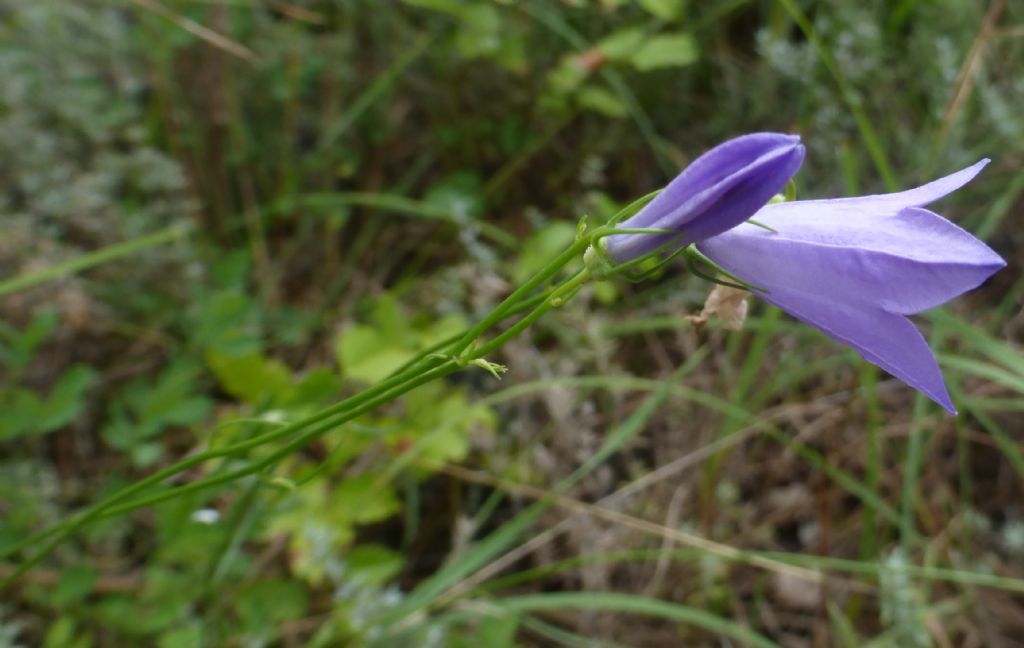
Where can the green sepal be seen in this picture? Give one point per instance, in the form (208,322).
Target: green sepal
(637,277)
(694,256)
(633,207)
(790,191)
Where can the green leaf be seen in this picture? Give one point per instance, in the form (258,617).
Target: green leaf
(666,50)
(269,602)
(67,398)
(453,7)
(134,617)
(441,330)
(372,564)
(317,387)
(145,408)
(253,378)
(629,604)
(188,636)
(76,582)
(664,9)
(364,499)
(18,347)
(226,321)
(438,422)
(601,101)
(387,314)
(63,634)
(122,432)
(371,353)
(499,631)
(315,532)
(541,247)
(146,454)
(174,398)
(368,356)
(622,44)
(22,410)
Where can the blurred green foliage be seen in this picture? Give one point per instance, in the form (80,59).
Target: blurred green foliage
(365,178)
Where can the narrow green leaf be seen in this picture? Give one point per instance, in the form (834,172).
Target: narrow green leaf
(613,602)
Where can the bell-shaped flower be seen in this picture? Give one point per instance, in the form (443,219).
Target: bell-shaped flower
(716,192)
(856,267)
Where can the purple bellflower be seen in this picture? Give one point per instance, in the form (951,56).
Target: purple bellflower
(716,192)
(856,267)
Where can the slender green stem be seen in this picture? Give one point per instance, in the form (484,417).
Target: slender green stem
(521,292)
(327,424)
(292,446)
(90,260)
(429,366)
(426,369)
(564,291)
(108,508)
(233,449)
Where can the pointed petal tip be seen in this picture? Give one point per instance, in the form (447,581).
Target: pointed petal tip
(970,172)
(942,399)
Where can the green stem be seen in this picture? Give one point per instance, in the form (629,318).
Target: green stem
(107,508)
(90,260)
(292,446)
(563,292)
(521,292)
(428,368)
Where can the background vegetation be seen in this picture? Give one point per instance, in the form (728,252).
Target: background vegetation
(241,210)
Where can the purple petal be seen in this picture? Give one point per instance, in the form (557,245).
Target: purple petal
(888,340)
(855,267)
(718,191)
(903,263)
(885,204)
